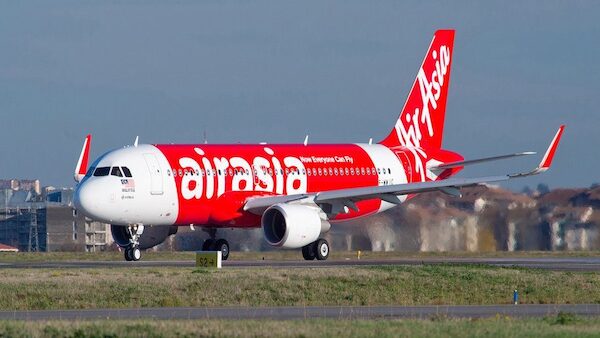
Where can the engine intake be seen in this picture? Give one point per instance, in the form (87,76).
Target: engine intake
(292,225)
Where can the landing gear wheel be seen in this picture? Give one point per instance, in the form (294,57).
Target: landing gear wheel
(308,252)
(321,249)
(127,254)
(208,245)
(223,246)
(136,254)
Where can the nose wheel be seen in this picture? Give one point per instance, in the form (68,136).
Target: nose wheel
(132,253)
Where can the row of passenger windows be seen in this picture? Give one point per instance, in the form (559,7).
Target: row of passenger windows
(269,171)
(114,171)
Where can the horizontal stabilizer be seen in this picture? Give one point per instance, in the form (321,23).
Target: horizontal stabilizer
(477,161)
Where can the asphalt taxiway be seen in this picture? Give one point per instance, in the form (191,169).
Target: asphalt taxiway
(591,264)
(291,313)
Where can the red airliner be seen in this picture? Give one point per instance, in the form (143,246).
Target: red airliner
(293,191)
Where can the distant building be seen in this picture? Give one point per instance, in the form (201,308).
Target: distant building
(46,221)
(23,185)
(7,248)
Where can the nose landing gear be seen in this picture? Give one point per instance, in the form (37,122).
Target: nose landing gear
(132,251)
(132,254)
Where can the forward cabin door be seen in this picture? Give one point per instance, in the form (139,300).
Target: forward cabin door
(156,177)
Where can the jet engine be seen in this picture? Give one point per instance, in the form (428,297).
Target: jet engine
(152,235)
(292,225)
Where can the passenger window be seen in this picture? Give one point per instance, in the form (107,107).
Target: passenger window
(126,171)
(102,171)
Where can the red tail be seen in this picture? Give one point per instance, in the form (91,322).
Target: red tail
(421,122)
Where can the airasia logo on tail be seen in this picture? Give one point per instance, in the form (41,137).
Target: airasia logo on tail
(430,91)
(411,128)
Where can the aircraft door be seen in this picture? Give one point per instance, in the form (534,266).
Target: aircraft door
(405,164)
(156,177)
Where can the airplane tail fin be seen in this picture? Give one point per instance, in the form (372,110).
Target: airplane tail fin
(421,121)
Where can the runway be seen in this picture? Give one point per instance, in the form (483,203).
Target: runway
(591,264)
(291,313)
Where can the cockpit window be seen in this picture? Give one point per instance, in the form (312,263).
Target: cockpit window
(102,171)
(126,171)
(116,172)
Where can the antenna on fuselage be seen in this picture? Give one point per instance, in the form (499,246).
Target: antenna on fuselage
(135,143)
(205,139)
(370,141)
(306,140)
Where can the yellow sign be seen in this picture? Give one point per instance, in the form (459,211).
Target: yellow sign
(208,259)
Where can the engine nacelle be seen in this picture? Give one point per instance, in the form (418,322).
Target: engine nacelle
(152,236)
(292,225)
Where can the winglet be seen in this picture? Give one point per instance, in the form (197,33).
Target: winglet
(548,156)
(547,160)
(82,163)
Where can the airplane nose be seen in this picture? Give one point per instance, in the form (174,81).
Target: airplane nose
(87,200)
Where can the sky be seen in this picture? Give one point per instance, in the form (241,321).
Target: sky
(274,71)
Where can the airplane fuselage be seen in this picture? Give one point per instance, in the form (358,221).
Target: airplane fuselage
(209,184)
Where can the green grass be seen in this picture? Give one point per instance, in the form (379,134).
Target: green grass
(436,327)
(7,257)
(28,289)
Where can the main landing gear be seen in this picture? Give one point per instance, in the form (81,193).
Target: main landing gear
(132,251)
(214,244)
(318,249)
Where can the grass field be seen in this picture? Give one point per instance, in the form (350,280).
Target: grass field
(275,255)
(27,289)
(562,325)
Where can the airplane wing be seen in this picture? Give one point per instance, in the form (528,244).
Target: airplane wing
(390,193)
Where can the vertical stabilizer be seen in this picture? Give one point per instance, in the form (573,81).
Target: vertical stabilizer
(421,121)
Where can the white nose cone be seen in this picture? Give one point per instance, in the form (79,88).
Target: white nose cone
(89,200)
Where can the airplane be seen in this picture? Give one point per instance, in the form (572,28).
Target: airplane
(294,192)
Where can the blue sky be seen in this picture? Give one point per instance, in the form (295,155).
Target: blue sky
(273,71)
